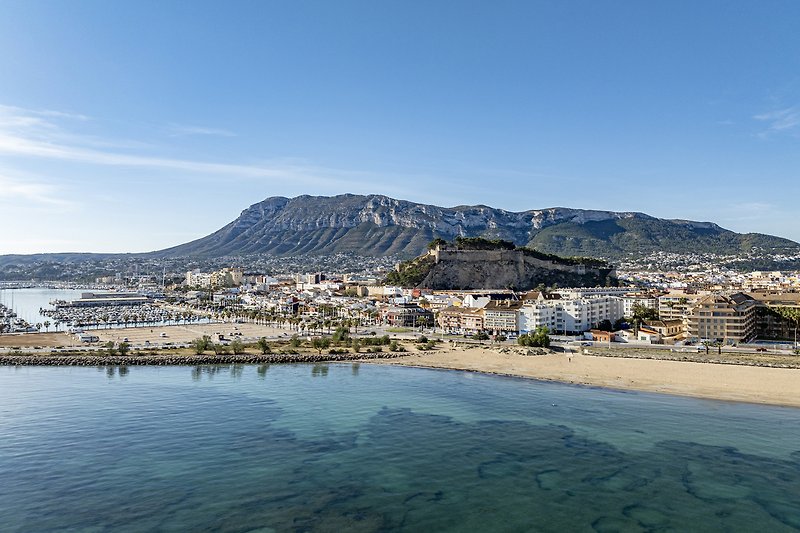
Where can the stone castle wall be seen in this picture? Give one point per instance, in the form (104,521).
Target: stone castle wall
(503,269)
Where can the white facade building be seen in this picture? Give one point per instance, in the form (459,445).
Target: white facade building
(645,301)
(590,292)
(536,314)
(570,315)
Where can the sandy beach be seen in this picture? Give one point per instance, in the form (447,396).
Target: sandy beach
(753,384)
(618,368)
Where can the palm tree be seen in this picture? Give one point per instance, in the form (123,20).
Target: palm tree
(46,325)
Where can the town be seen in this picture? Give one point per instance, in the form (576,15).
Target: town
(677,308)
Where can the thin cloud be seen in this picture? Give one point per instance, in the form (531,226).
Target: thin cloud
(178,130)
(13,190)
(779,120)
(31,134)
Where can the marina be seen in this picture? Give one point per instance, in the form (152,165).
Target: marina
(11,323)
(67,309)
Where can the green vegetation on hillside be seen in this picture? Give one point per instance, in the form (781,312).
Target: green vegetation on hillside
(480,243)
(411,273)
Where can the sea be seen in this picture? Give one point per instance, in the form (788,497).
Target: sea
(27,302)
(369,448)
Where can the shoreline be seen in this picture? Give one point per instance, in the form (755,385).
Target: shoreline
(760,385)
(750,378)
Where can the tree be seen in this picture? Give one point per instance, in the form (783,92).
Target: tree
(791,314)
(320,343)
(201,345)
(263,345)
(436,242)
(124,348)
(237,347)
(356,345)
(110,347)
(295,341)
(605,325)
(541,338)
(47,325)
(341,334)
(538,338)
(642,313)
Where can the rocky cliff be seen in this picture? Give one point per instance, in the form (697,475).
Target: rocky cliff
(449,269)
(379,225)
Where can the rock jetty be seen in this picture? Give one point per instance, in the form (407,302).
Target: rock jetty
(184,360)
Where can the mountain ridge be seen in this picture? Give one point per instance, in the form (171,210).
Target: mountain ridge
(379,225)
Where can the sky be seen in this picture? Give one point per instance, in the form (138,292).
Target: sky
(132,126)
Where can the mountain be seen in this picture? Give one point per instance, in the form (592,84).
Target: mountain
(379,225)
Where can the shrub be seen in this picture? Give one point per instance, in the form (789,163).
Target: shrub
(341,334)
(263,345)
(201,345)
(220,349)
(320,343)
(538,338)
(237,346)
(335,351)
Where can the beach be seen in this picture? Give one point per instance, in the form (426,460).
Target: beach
(754,378)
(732,382)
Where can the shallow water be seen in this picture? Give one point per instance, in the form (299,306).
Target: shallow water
(351,447)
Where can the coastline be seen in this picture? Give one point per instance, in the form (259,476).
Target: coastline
(713,381)
(751,377)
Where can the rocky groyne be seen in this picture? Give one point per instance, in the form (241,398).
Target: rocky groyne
(185,360)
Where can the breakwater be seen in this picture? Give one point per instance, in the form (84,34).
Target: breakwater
(185,360)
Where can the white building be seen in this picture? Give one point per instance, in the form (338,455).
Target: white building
(195,278)
(570,315)
(536,314)
(629,301)
(589,292)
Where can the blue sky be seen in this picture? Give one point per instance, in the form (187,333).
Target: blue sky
(133,126)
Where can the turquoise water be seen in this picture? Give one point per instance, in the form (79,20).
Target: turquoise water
(377,448)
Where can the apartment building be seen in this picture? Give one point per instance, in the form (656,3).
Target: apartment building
(569,315)
(407,315)
(535,314)
(461,320)
(676,304)
(770,323)
(500,316)
(729,319)
(628,301)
